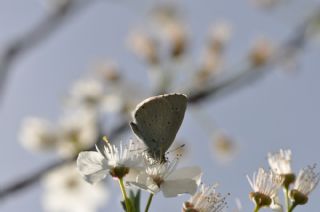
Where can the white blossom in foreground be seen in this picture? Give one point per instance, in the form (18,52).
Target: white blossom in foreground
(276,205)
(65,191)
(305,183)
(119,162)
(77,131)
(206,200)
(163,177)
(280,162)
(265,186)
(37,135)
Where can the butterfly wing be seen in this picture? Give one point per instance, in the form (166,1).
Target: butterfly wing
(157,120)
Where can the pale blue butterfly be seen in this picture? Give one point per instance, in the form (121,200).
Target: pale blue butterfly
(157,120)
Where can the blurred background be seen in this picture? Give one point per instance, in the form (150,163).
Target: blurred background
(141,48)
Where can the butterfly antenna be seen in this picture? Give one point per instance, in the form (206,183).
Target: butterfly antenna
(178,148)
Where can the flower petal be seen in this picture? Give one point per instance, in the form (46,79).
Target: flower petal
(143,181)
(133,174)
(92,166)
(193,172)
(172,188)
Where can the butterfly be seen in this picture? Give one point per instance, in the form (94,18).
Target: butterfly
(157,120)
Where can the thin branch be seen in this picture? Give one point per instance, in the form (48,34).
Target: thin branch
(227,86)
(39,33)
(36,176)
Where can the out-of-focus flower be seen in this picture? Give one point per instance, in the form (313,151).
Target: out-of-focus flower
(108,71)
(144,46)
(280,164)
(177,36)
(167,22)
(219,35)
(113,103)
(37,135)
(163,177)
(224,146)
(77,131)
(164,15)
(119,162)
(86,92)
(305,183)
(206,200)
(265,186)
(260,53)
(65,191)
(210,64)
(212,61)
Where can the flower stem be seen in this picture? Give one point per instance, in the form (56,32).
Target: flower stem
(257,208)
(124,195)
(286,197)
(149,202)
(292,207)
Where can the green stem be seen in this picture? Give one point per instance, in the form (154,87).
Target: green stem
(149,202)
(124,195)
(257,208)
(292,207)
(286,197)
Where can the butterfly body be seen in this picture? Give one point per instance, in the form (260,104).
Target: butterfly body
(157,120)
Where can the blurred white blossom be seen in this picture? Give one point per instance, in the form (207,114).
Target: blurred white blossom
(37,134)
(86,92)
(77,131)
(65,191)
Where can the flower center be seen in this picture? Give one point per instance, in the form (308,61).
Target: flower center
(119,172)
(298,197)
(189,207)
(288,179)
(260,199)
(157,180)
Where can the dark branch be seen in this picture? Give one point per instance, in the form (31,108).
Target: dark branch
(39,33)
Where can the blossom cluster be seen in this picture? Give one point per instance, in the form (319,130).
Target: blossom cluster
(133,168)
(266,184)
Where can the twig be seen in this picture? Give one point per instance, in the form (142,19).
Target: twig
(40,32)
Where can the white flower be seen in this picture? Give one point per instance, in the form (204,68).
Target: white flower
(118,161)
(144,46)
(265,186)
(305,183)
(276,205)
(87,92)
(164,177)
(206,200)
(77,131)
(280,162)
(65,191)
(37,134)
